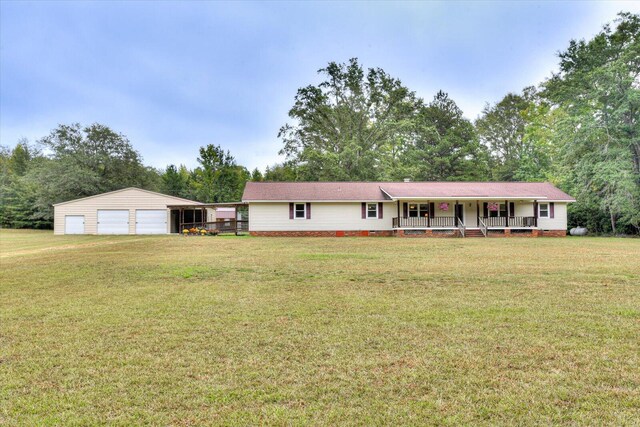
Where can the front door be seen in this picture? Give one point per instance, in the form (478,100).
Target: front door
(459,212)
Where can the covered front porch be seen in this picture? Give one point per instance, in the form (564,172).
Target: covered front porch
(466,216)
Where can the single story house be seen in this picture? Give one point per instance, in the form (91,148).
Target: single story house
(429,209)
(129,211)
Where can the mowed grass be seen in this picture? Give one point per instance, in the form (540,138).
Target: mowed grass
(291,331)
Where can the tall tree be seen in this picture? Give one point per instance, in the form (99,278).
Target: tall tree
(256,175)
(177,181)
(598,87)
(219,178)
(281,172)
(517,153)
(19,189)
(444,145)
(86,161)
(20,157)
(346,124)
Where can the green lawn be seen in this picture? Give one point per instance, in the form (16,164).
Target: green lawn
(288,331)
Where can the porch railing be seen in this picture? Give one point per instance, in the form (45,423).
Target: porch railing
(222,225)
(424,222)
(461,227)
(483,226)
(512,221)
(450,222)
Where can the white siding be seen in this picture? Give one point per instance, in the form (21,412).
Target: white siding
(523,209)
(450,212)
(334,216)
(324,217)
(558,222)
(129,199)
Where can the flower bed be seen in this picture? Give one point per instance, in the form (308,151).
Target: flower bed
(199,231)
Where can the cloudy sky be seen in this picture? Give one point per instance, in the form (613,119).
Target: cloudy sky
(173,76)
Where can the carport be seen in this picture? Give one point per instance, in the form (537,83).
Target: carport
(189,216)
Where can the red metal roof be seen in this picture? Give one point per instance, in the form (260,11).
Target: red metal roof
(380,191)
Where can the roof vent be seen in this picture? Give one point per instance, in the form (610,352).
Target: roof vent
(407,180)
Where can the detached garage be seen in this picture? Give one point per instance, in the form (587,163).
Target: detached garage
(126,211)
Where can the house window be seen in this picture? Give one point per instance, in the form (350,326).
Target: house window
(501,212)
(300,211)
(372,210)
(417,210)
(543,210)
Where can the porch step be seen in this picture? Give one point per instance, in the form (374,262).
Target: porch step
(473,233)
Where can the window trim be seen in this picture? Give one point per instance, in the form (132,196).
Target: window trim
(371,211)
(420,213)
(295,211)
(548,209)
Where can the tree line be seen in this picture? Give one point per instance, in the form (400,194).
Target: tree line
(76,161)
(577,129)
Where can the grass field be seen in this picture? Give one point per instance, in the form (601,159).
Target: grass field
(362,331)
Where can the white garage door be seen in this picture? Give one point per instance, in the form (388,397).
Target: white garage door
(151,221)
(113,222)
(74,224)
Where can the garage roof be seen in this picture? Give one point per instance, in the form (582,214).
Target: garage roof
(177,199)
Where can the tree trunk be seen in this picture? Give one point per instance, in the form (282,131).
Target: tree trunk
(613,221)
(635,152)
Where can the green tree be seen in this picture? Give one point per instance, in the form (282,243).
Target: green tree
(345,126)
(444,146)
(517,153)
(5,185)
(219,178)
(281,172)
(256,175)
(20,157)
(598,89)
(19,188)
(86,161)
(177,182)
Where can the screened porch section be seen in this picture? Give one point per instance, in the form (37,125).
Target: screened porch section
(203,216)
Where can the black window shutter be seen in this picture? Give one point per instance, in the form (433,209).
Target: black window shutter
(290,210)
(308,210)
(432,210)
(364,210)
(405,210)
(485,209)
(379,210)
(512,209)
(552,209)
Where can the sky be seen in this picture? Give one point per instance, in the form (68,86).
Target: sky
(174,76)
